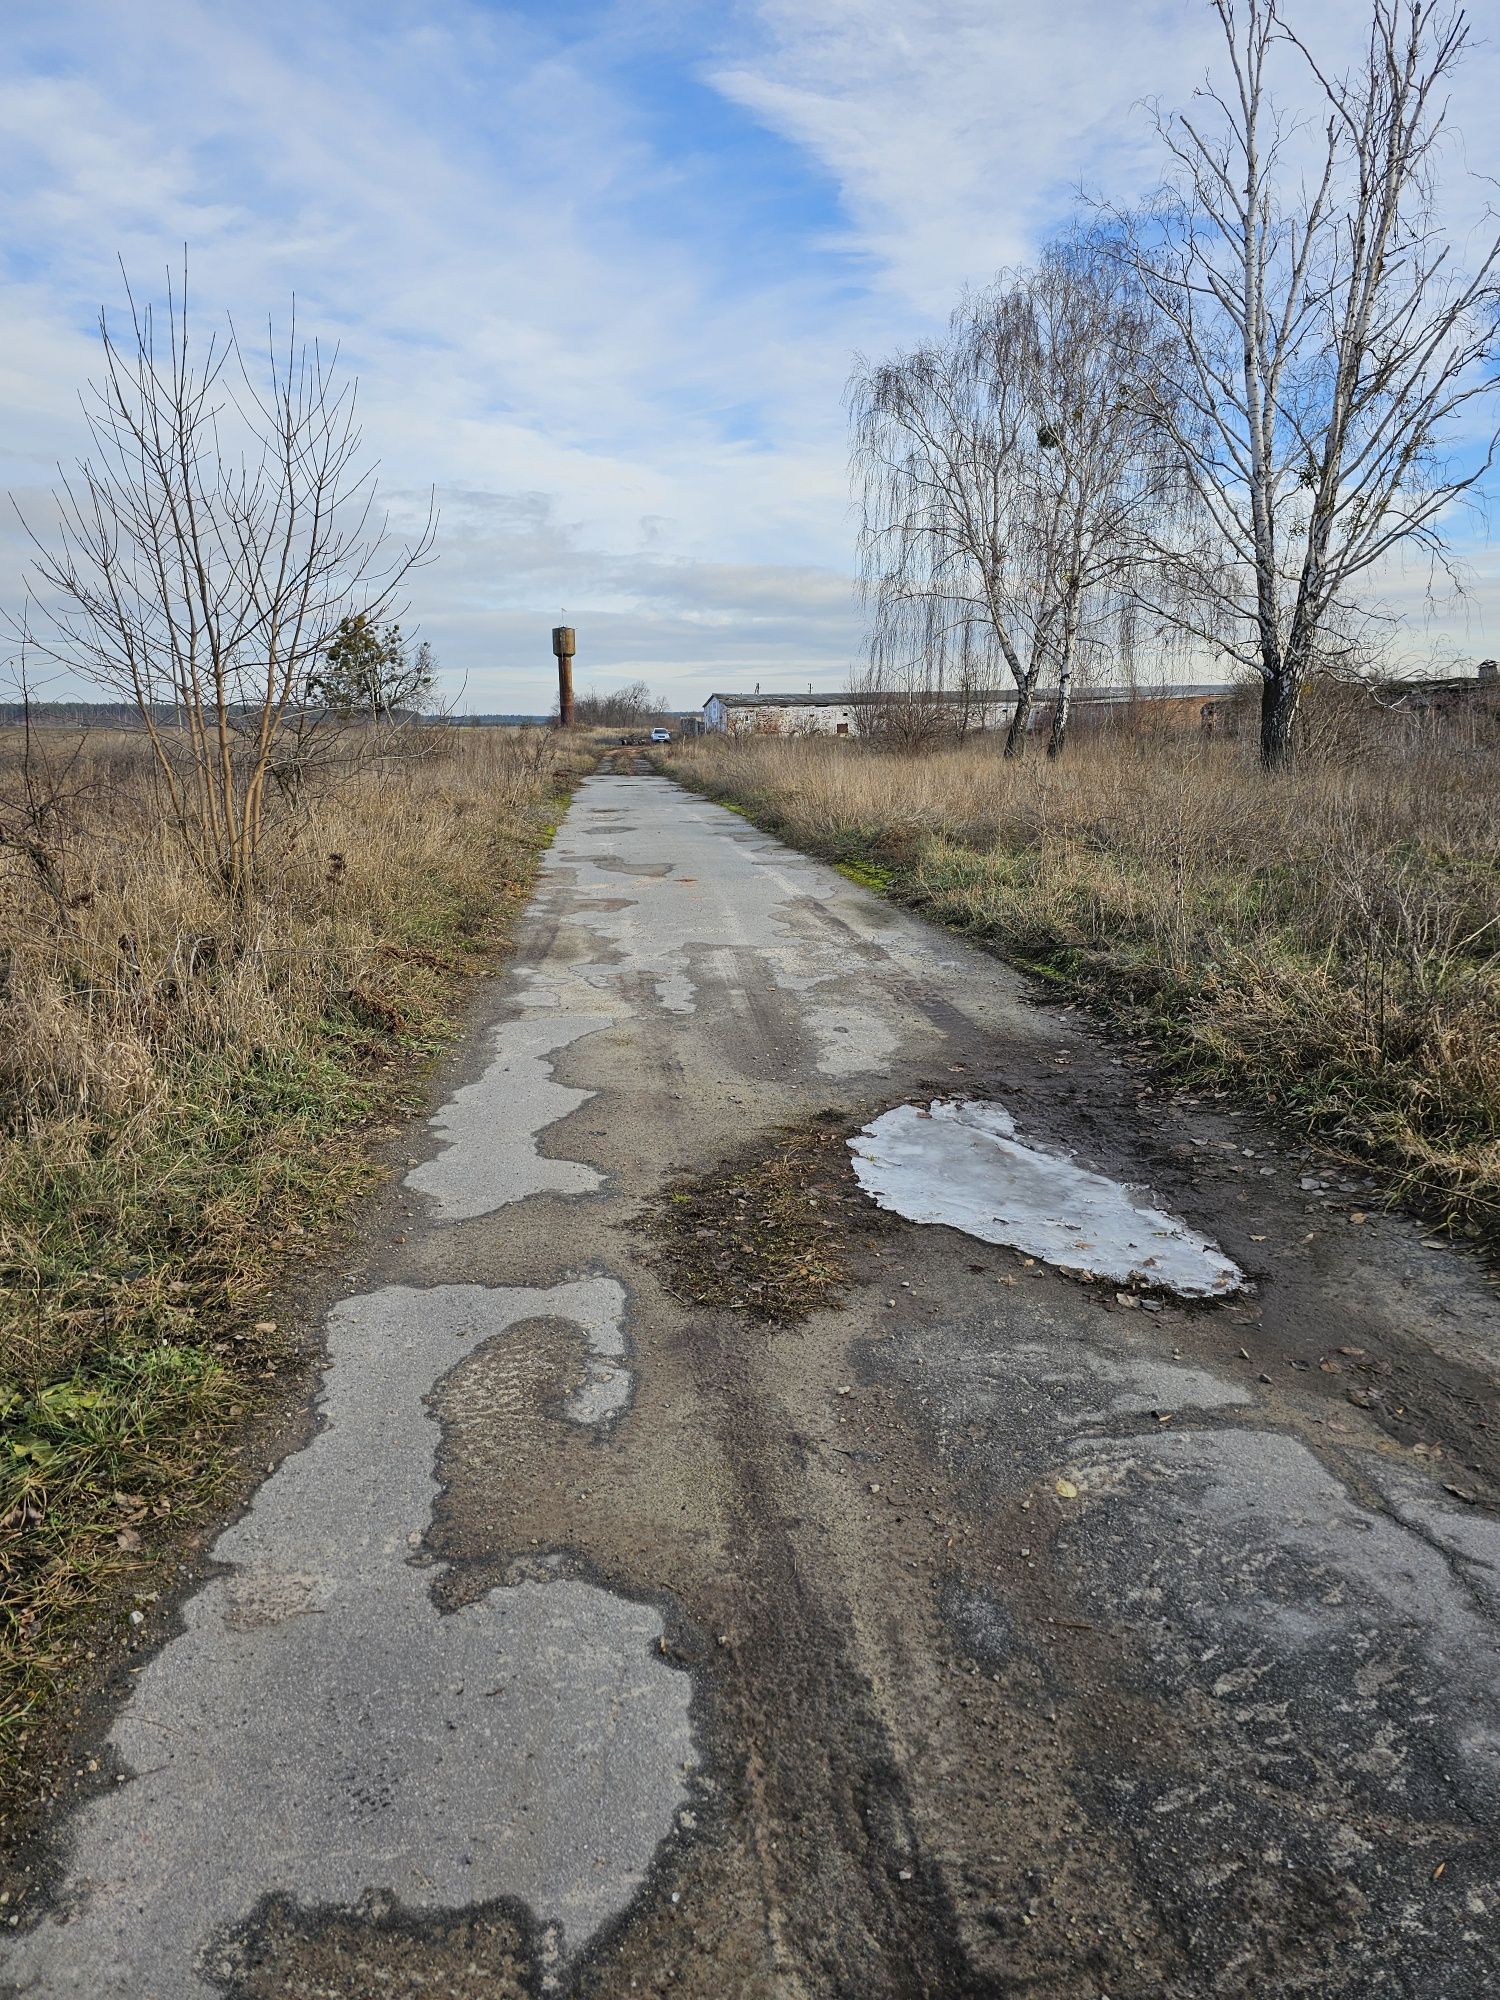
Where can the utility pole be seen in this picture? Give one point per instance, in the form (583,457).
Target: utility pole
(563,647)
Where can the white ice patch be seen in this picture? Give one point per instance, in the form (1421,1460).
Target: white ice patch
(961,1163)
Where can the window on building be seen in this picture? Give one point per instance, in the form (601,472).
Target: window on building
(843,729)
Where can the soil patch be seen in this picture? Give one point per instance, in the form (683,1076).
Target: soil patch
(769,1234)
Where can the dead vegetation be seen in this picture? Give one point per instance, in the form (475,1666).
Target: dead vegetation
(764,1236)
(1330,942)
(187,1083)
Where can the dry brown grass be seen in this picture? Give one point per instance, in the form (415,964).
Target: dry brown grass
(128,961)
(1329,940)
(182,1086)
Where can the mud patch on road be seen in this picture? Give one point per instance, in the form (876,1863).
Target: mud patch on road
(1271,1691)
(288,1954)
(766,1235)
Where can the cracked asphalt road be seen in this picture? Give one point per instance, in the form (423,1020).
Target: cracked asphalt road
(981,1635)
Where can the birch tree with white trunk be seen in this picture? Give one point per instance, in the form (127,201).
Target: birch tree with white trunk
(1007,480)
(1330,397)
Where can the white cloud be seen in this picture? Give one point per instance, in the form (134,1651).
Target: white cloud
(960,131)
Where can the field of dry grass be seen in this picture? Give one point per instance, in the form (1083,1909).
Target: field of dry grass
(186,1095)
(1328,942)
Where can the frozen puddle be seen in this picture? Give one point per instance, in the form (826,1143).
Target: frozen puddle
(961,1163)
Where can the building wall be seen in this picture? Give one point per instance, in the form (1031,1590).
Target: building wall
(1150,712)
(825,719)
(1153,709)
(812,720)
(984,715)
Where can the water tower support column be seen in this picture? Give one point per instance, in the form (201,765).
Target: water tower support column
(563,647)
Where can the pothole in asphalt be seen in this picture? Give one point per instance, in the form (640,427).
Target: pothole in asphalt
(653,871)
(961,1162)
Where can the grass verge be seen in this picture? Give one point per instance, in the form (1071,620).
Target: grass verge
(191,1096)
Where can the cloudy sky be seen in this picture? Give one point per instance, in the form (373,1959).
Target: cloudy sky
(600,268)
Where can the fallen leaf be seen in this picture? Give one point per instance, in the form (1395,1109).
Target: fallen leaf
(1066,1490)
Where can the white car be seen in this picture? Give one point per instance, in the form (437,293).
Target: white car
(661,736)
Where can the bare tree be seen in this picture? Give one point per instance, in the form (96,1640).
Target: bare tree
(1002,474)
(1104,483)
(895,704)
(205,555)
(1326,343)
(937,438)
(627,707)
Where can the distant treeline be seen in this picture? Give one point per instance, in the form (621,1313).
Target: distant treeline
(503,721)
(84,714)
(125,714)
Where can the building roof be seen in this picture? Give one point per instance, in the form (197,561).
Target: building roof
(1464,687)
(781,700)
(846,698)
(1162,691)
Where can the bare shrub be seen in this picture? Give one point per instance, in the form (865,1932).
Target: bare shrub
(203,560)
